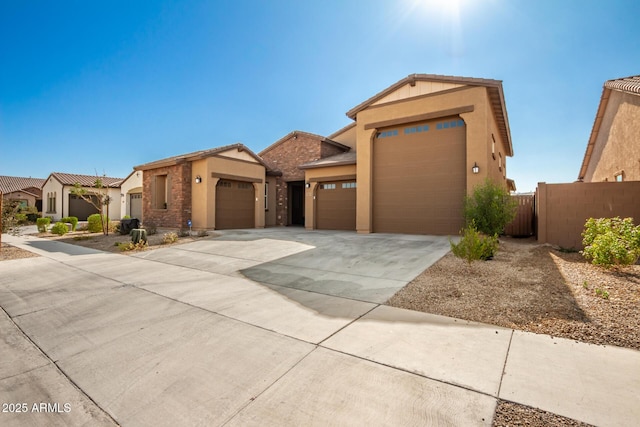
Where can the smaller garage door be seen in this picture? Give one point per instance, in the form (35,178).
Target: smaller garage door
(336,205)
(135,205)
(80,208)
(235,205)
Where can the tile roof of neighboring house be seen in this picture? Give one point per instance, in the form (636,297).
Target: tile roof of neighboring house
(312,135)
(625,84)
(198,155)
(85,180)
(9,184)
(348,158)
(496,97)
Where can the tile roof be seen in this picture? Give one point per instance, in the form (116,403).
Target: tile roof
(626,84)
(9,184)
(198,155)
(309,134)
(348,158)
(85,180)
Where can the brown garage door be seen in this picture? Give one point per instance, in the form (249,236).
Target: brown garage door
(419,178)
(81,208)
(336,205)
(235,205)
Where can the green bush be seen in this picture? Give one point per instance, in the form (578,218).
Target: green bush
(474,245)
(20,218)
(43,224)
(490,208)
(94,223)
(611,242)
(72,220)
(59,228)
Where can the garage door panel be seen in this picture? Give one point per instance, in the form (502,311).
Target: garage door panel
(419,181)
(336,206)
(235,206)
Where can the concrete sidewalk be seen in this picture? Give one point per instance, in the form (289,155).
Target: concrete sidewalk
(140,341)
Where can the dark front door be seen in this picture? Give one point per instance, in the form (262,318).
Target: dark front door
(296,202)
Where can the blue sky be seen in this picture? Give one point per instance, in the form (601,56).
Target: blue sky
(101,86)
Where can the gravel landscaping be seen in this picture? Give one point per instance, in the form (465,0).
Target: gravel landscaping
(535,288)
(8,252)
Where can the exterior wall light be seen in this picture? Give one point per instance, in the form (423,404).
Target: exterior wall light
(198,179)
(307,185)
(475,168)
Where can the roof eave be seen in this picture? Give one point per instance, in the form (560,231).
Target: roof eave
(604,101)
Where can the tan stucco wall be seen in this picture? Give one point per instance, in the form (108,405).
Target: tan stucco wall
(19,195)
(204,194)
(478,136)
(416,89)
(315,175)
(617,147)
(347,137)
(270,213)
(133,184)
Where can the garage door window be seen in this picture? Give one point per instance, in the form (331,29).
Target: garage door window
(328,187)
(348,185)
(244,186)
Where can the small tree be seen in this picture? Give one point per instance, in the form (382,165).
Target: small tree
(490,208)
(9,211)
(101,192)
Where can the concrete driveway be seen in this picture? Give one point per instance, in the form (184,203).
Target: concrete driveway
(369,268)
(180,336)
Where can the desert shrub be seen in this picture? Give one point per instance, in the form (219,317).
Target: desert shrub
(151,228)
(94,223)
(611,242)
(43,224)
(59,228)
(20,218)
(126,217)
(490,208)
(474,246)
(130,246)
(72,220)
(168,238)
(32,217)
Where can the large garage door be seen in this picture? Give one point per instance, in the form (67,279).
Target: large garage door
(235,205)
(336,205)
(135,205)
(419,178)
(80,208)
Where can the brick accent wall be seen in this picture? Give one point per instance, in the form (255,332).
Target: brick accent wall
(178,209)
(298,149)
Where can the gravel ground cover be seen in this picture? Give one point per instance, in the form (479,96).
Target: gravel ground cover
(8,252)
(535,288)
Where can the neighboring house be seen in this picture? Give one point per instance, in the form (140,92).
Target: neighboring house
(59,202)
(404,165)
(613,151)
(214,189)
(25,190)
(131,195)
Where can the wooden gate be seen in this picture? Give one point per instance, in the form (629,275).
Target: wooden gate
(523,224)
